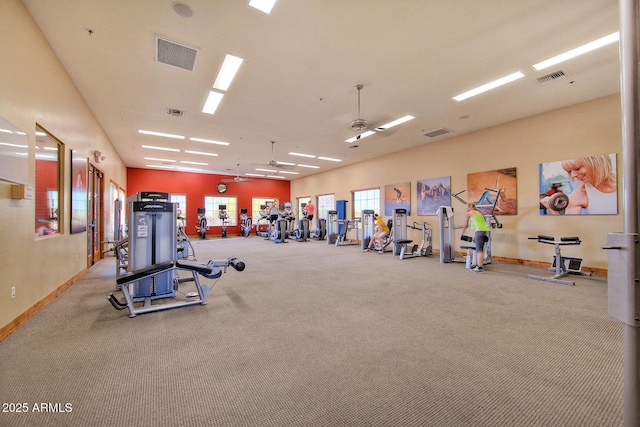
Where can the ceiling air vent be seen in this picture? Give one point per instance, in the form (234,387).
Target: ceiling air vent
(551,77)
(437,132)
(175,54)
(175,112)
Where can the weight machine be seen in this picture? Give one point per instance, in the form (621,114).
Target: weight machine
(332,227)
(401,243)
(562,266)
(152,272)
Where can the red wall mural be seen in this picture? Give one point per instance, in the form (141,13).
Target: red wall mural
(197,185)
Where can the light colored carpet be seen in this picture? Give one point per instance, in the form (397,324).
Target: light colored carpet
(316,335)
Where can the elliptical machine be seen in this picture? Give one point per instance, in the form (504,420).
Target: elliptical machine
(202,225)
(222,215)
(245,222)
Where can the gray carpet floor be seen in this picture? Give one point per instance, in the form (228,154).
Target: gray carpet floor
(316,335)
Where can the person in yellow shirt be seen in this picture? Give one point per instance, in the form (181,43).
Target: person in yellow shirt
(381,231)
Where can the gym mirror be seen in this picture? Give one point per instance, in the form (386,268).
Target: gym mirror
(14,153)
(49,151)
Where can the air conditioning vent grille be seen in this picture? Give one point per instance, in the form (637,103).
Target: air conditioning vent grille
(175,112)
(551,77)
(437,132)
(175,54)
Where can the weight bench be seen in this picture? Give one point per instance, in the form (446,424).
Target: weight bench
(558,265)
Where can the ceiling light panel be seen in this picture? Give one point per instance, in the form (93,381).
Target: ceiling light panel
(164,135)
(200,153)
(209,141)
(309,166)
(213,100)
(194,163)
(311,156)
(155,159)
(395,123)
(263,5)
(359,137)
(228,70)
(329,159)
(153,147)
(491,85)
(611,38)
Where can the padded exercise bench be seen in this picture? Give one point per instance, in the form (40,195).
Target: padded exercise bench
(559,266)
(126,282)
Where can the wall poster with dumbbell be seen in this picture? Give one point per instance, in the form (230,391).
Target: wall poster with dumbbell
(580,186)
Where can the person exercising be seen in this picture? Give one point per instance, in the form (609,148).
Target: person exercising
(274,213)
(475,218)
(381,231)
(310,209)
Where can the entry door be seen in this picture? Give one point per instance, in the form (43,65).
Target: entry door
(94,213)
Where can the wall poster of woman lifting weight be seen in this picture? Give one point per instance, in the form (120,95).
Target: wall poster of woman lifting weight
(580,186)
(495,188)
(433,193)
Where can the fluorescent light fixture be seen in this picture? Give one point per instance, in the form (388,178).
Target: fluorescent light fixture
(194,163)
(266,170)
(290,173)
(182,168)
(275,176)
(153,147)
(160,166)
(395,123)
(286,163)
(213,100)
(5,130)
(311,156)
(159,160)
(359,137)
(254,174)
(209,141)
(329,159)
(14,145)
(263,5)
(611,38)
(227,72)
(491,85)
(45,156)
(200,153)
(50,148)
(309,166)
(165,135)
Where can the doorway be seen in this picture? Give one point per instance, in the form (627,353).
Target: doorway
(95,234)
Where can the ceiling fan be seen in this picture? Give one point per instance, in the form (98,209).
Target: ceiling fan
(360,125)
(237,178)
(278,165)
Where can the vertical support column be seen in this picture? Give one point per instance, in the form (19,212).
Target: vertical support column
(628,15)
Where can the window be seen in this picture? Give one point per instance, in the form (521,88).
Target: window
(302,201)
(256,205)
(181,209)
(366,199)
(49,163)
(324,205)
(212,204)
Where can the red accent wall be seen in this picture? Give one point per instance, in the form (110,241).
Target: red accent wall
(197,185)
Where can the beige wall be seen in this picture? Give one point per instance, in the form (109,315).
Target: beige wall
(584,129)
(35,88)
